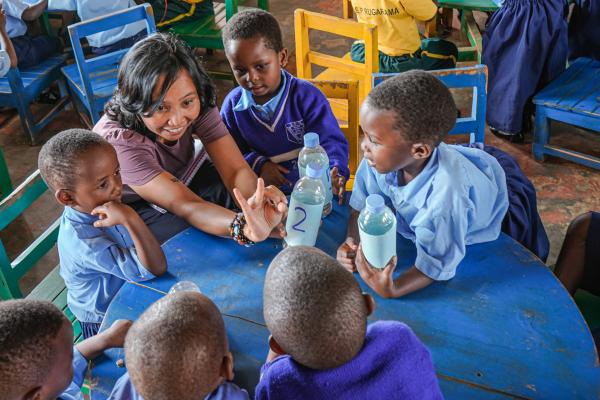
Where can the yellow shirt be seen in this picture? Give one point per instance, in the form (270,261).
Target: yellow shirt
(396,22)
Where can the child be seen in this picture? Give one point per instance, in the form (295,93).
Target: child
(524,48)
(37,357)
(399,43)
(317,317)
(271,111)
(445,197)
(101,242)
(178,350)
(8,58)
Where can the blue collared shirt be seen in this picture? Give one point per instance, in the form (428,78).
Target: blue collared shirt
(460,198)
(14,22)
(94,263)
(265,111)
(79,363)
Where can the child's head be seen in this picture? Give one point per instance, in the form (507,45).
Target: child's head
(314,308)
(81,168)
(161,88)
(177,349)
(404,119)
(36,350)
(254,48)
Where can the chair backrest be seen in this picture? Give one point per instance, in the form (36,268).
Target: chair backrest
(78,31)
(10,208)
(474,77)
(345,90)
(305,57)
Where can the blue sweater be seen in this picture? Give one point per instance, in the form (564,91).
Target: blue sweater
(303,108)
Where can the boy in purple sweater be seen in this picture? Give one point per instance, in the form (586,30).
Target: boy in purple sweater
(271,110)
(321,346)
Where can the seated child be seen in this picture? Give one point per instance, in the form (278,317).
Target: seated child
(30,50)
(445,197)
(271,111)
(178,350)
(399,43)
(101,242)
(37,357)
(321,346)
(8,58)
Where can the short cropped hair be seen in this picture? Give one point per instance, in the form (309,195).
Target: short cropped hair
(28,329)
(252,23)
(314,308)
(160,54)
(176,348)
(424,108)
(58,157)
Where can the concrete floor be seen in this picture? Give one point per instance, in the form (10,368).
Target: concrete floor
(564,189)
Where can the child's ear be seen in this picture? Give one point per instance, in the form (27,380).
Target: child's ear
(369,302)
(283,57)
(421,150)
(227,366)
(275,347)
(33,394)
(64,197)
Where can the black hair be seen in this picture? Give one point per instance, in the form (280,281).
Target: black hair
(314,308)
(143,65)
(58,157)
(28,329)
(251,23)
(423,106)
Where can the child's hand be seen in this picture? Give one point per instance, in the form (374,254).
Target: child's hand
(272,174)
(380,280)
(115,335)
(112,213)
(346,254)
(338,184)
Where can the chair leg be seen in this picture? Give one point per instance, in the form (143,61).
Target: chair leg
(541,133)
(27,121)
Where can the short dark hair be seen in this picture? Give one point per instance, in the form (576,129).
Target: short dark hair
(57,160)
(28,329)
(314,308)
(176,348)
(251,23)
(139,72)
(424,108)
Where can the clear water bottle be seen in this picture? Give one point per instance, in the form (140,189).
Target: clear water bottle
(377,229)
(184,286)
(305,208)
(312,152)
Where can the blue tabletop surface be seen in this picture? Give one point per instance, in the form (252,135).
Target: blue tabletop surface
(504,327)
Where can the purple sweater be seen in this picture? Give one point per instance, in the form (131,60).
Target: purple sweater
(303,108)
(393,364)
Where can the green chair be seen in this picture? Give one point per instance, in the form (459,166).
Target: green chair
(5,183)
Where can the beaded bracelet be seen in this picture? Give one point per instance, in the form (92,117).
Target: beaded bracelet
(236,230)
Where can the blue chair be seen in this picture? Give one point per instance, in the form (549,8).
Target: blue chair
(92,81)
(468,77)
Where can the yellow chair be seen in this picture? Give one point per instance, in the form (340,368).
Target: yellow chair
(337,68)
(348,92)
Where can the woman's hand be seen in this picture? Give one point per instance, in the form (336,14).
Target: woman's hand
(380,280)
(338,184)
(264,211)
(273,174)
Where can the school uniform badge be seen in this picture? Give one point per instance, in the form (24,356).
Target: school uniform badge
(295,131)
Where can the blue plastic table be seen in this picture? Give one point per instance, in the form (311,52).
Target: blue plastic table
(504,327)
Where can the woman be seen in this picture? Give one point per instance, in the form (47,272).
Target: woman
(163,99)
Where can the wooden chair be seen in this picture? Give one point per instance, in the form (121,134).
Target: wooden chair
(52,287)
(92,81)
(348,91)
(337,68)
(469,77)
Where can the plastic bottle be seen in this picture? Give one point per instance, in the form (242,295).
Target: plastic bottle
(377,229)
(312,152)
(184,286)
(306,208)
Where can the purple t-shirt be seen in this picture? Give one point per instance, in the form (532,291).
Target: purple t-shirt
(393,364)
(141,159)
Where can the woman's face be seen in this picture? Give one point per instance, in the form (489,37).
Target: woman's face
(180,106)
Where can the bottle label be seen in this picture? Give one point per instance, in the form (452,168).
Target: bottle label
(302,225)
(379,249)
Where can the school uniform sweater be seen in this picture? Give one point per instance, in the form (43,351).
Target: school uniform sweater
(303,108)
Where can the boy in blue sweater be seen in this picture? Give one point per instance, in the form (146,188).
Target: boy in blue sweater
(271,111)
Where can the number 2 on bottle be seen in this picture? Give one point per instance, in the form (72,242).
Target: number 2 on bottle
(296,226)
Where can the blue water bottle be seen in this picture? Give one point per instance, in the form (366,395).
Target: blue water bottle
(377,229)
(305,209)
(312,152)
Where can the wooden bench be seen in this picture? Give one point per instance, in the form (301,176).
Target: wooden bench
(572,98)
(52,287)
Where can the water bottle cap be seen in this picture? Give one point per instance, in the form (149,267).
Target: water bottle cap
(375,204)
(314,170)
(311,139)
